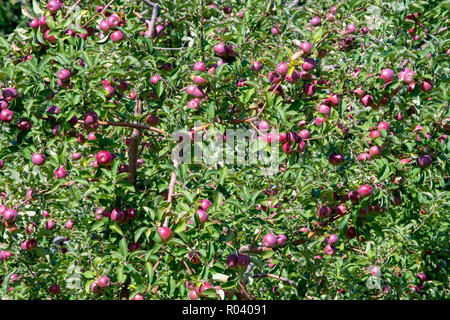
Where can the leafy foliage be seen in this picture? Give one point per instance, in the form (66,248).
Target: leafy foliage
(404,234)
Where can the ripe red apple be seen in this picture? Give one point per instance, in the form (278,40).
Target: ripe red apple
(95,288)
(49,225)
(104,282)
(54,289)
(330,250)
(426,85)
(353,196)
(48,37)
(200,66)
(274,77)
(375,151)
(205,204)
(232,260)
(336,159)
(351,28)
(367,100)
(195,91)
(165,233)
(202,215)
(103,158)
(104,26)
(220,49)
(64,75)
(113,20)
(324,211)
(309,64)
(90,121)
(243,260)
(118,215)
(69,224)
(365,191)
(54,5)
(316,21)
(387,75)
(375,134)
(152,120)
(282,68)
(117,36)
(424,161)
(10,215)
(293,77)
(269,241)
(38,159)
(281,240)
(60,173)
(256,66)
(34,24)
(332,239)
(6,115)
(306,47)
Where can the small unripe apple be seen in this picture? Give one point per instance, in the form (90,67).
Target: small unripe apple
(165,233)
(309,89)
